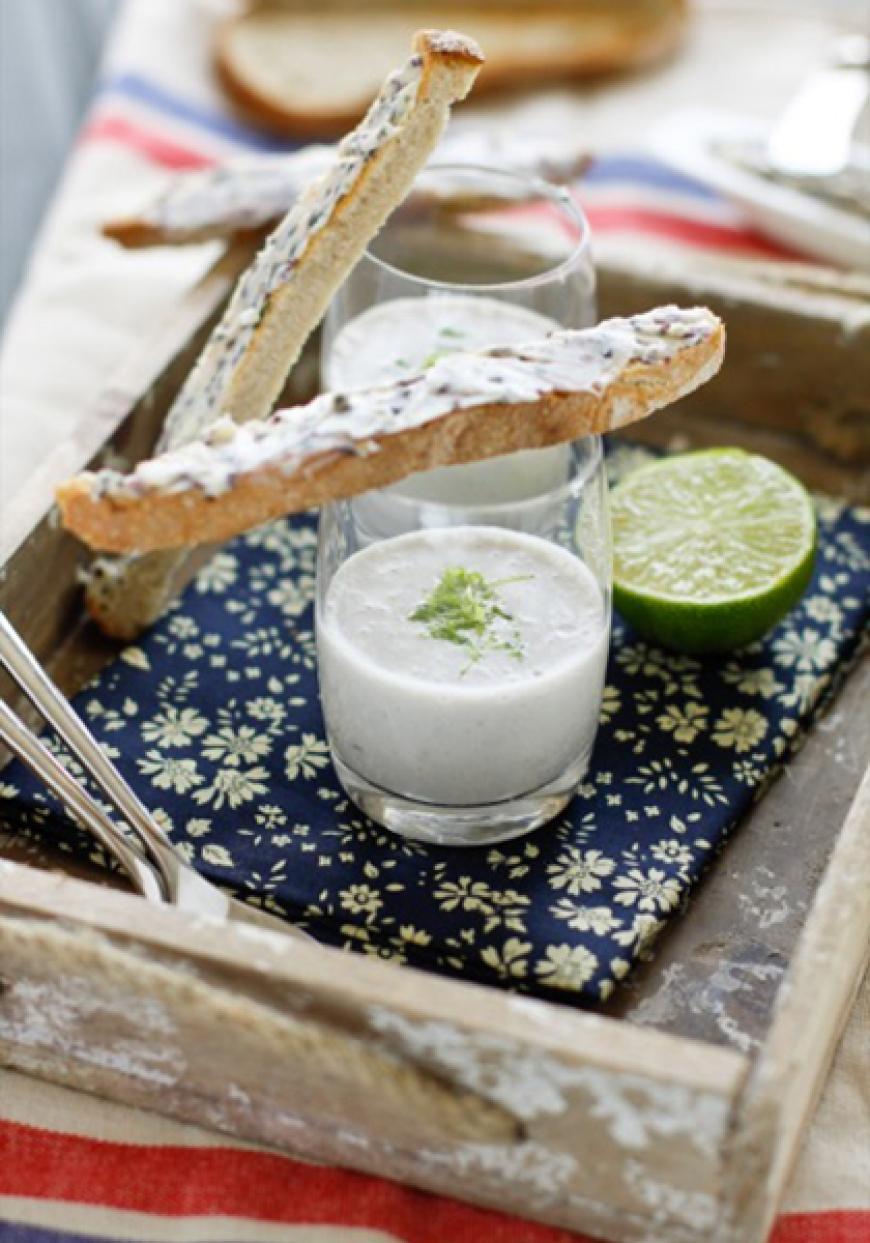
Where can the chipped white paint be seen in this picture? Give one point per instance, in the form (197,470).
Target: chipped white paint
(668,1204)
(541,1173)
(158,1066)
(679,993)
(355,1139)
(39,1015)
(530,1084)
(238,1096)
(767,902)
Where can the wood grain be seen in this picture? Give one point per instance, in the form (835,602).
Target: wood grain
(716,972)
(538,1110)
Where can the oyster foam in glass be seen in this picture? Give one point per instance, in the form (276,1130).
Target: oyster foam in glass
(462,661)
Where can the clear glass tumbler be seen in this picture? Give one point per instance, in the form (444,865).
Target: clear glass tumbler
(462,651)
(474,257)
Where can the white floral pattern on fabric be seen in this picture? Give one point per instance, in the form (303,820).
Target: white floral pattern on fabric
(215,718)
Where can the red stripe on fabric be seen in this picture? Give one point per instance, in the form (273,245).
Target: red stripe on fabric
(652,222)
(844,1226)
(154,147)
(177,1181)
(181,1181)
(684,229)
(172,155)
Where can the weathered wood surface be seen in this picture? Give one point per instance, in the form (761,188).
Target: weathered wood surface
(538,1110)
(818,992)
(716,971)
(796,380)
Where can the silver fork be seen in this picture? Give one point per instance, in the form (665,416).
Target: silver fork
(148,858)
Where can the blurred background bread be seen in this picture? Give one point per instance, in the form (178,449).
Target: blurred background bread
(304,68)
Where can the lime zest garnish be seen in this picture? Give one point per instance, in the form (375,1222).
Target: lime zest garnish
(464,608)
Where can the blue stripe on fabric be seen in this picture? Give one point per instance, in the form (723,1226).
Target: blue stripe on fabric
(634,168)
(646,171)
(144,91)
(13,1232)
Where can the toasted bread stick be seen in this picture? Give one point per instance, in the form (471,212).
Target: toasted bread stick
(283,295)
(464,408)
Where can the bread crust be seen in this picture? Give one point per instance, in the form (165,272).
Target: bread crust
(134,233)
(189,515)
(640,35)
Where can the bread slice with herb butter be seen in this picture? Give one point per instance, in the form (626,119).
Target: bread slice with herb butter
(283,295)
(253,191)
(237,196)
(463,408)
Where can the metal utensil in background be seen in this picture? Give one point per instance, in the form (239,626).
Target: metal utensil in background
(157,872)
(24,744)
(815,134)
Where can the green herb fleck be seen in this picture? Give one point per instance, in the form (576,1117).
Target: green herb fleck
(465,609)
(401,362)
(447,331)
(431,359)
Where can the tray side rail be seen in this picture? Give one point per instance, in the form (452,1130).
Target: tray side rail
(518,1104)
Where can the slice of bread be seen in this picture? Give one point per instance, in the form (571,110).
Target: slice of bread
(238,196)
(284,294)
(255,191)
(463,408)
(306,70)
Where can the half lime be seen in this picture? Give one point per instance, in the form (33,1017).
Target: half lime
(711,549)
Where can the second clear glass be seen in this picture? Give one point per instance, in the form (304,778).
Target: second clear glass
(474,257)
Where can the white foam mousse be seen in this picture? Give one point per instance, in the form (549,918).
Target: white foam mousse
(483,716)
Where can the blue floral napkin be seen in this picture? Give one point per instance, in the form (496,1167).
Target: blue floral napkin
(215,720)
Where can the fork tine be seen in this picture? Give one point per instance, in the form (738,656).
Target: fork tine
(24,668)
(168,878)
(32,752)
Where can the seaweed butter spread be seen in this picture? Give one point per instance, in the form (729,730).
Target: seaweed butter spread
(404,336)
(589,360)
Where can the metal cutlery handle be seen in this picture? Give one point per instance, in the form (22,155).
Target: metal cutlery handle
(24,668)
(158,873)
(814,136)
(28,748)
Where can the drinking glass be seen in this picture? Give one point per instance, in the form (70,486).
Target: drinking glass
(474,257)
(457,736)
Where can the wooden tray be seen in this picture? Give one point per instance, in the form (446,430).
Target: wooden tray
(672,1114)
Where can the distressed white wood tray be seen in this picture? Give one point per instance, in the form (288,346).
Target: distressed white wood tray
(674,1113)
